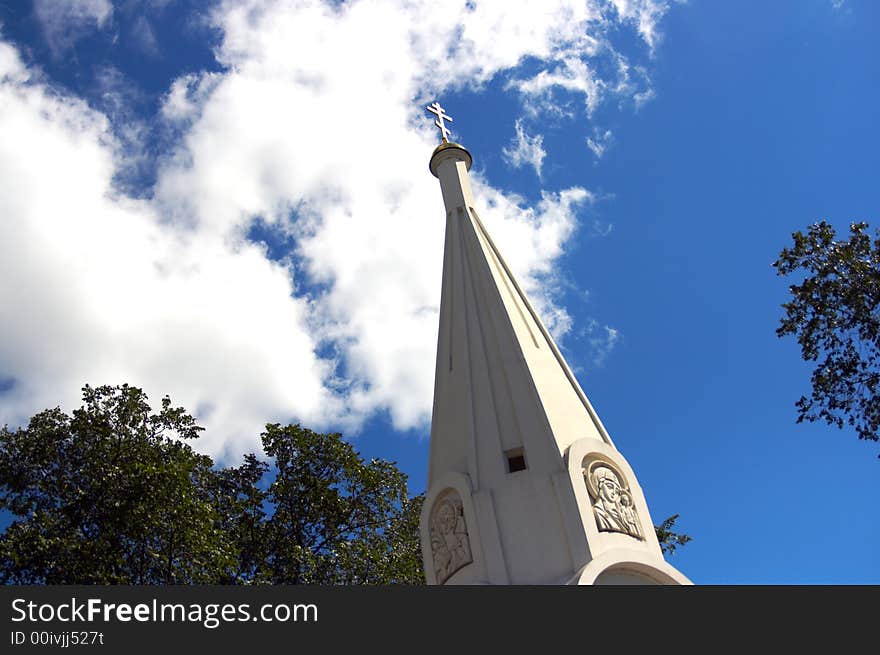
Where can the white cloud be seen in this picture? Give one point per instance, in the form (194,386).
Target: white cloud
(570,67)
(572,75)
(98,289)
(66,21)
(316,130)
(525,149)
(644,13)
(599,142)
(11,69)
(602,340)
(184,100)
(144,36)
(632,82)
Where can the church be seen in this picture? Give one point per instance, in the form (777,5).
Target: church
(525,486)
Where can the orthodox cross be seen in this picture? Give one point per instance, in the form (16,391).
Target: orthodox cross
(441,116)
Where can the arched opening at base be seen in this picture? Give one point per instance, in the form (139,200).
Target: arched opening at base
(623,577)
(622,566)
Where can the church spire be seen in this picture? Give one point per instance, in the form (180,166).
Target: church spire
(524,484)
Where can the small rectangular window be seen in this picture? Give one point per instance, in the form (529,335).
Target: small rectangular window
(516,460)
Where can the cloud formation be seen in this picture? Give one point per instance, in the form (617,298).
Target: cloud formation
(144,37)
(599,142)
(525,149)
(64,22)
(101,289)
(165,290)
(646,14)
(602,340)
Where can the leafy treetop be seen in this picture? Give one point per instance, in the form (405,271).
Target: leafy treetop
(835,315)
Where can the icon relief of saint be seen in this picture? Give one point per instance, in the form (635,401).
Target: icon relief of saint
(450,544)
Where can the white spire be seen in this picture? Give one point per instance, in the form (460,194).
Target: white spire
(514,439)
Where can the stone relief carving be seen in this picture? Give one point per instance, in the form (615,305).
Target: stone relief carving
(450,543)
(613,504)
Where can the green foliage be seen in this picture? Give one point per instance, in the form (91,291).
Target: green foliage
(241,511)
(835,315)
(114,494)
(106,496)
(337,519)
(668,539)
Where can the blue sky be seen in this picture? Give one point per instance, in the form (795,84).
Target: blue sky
(230,203)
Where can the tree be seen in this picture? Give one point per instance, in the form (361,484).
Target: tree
(336,519)
(241,511)
(835,315)
(106,496)
(114,494)
(668,539)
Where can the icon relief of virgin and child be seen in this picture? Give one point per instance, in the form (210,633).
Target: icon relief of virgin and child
(613,505)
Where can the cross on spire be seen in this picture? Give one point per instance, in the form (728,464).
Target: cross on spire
(441,116)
